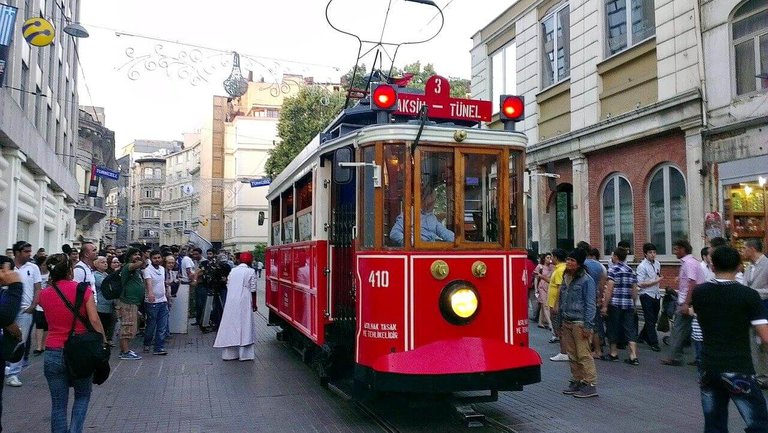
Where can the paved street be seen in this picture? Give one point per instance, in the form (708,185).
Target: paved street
(192,390)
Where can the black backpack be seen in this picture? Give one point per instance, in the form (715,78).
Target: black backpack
(112,286)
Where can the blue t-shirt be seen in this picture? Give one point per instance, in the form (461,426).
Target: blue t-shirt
(595,270)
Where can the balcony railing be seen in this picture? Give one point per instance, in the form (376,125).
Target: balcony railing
(93,204)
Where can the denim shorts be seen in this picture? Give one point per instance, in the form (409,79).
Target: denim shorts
(619,319)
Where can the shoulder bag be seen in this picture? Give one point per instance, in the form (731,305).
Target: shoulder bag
(83,353)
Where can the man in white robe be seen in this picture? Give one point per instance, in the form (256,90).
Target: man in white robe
(237,331)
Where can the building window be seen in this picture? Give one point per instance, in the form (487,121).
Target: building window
(503,74)
(148,173)
(147,193)
(667,208)
(23,86)
(750,43)
(157,193)
(158,173)
(556,40)
(640,13)
(618,220)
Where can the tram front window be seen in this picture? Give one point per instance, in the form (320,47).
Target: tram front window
(436,197)
(394,192)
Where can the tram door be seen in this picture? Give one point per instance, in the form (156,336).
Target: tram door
(342,277)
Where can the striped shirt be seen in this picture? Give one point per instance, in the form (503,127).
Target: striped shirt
(624,279)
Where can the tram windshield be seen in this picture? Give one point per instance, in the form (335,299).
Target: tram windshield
(458,197)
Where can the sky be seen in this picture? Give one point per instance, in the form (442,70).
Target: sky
(122,68)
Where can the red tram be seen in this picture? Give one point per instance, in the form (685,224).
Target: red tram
(394,257)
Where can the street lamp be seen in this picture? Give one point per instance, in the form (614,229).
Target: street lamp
(76,30)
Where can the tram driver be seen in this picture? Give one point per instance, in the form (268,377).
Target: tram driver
(432,229)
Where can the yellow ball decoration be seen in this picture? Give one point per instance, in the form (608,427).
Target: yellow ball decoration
(38,32)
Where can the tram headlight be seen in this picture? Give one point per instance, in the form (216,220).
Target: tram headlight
(459,302)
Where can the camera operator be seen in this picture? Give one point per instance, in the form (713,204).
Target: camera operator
(215,279)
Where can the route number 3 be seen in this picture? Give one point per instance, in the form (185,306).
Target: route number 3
(379,278)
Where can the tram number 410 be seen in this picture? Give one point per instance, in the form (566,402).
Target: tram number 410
(379,278)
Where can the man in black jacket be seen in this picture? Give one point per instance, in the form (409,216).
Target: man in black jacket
(10,302)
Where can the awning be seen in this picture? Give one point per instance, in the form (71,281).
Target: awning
(743,170)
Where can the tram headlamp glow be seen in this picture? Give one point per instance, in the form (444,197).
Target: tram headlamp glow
(464,303)
(459,302)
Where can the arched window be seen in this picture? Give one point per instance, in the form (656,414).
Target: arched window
(750,44)
(618,219)
(667,208)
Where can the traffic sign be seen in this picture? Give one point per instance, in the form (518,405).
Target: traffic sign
(108,173)
(440,104)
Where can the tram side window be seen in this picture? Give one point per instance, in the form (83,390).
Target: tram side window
(287,200)
(394,194)
(368,199)
(275,220)
(437,197)
(516,233)
(304,206)
(481,198)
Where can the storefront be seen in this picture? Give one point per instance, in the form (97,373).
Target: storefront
(743,185)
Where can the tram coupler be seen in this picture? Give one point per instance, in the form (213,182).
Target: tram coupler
(469,416)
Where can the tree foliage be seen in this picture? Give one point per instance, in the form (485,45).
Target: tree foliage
(459,86)
(301,118)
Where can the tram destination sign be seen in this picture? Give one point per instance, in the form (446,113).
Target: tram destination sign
(440,104)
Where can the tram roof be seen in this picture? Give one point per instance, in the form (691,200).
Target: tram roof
(359,135)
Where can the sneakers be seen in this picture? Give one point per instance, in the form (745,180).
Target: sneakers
(554,340)
(147,349)
(129,356)
(559,357)
(160,352)
(573,386)
(586,390)
(655,347)
(13,381)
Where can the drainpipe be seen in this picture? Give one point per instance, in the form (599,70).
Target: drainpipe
(706,183)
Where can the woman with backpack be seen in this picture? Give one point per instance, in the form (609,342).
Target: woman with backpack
(60,320)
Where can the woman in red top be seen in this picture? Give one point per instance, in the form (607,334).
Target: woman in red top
(59,318)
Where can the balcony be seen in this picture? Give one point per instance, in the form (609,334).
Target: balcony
(89,210)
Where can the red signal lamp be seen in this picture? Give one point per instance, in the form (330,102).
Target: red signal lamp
(512,108)
(384,97)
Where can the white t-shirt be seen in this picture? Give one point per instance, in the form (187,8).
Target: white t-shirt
(29,274)
(83,273)
(186,263)
(157,276)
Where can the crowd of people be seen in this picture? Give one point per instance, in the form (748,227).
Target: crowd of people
(37,314)
(715,304)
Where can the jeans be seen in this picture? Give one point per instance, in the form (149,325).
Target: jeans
(681,332)
(108,322)
(718,389)
(55,372)
(157,324)
(651,307)
(24,320)
(579,353)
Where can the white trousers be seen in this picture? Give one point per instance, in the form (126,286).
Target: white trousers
(178,321)
(243,353)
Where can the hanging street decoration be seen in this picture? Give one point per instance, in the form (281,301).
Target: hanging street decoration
(236,85)
(38,31)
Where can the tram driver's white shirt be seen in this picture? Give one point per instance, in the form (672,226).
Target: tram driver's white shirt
(431,229)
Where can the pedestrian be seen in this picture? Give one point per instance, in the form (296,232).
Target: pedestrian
(619,307)
(756,277)
(10,303)
(32,283)
(259,268)
(127,306)
(105,307)
(555,281)
(187,281)
(576,312)
(156,305)
(726,311)
(648,279)
(41,326)
(237,331)
(60,319)
(543,271)
(596,270)
(690,275)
